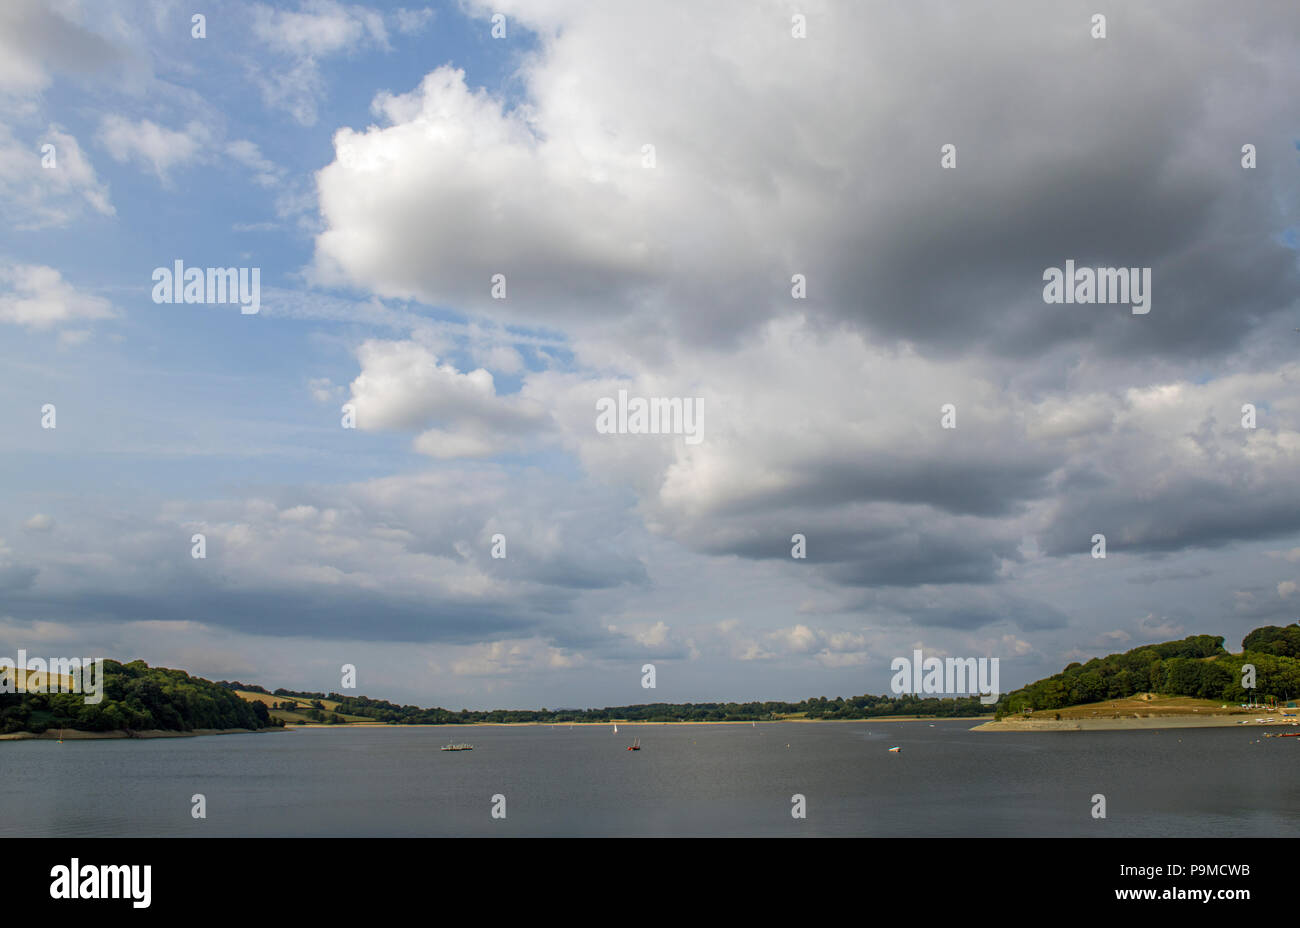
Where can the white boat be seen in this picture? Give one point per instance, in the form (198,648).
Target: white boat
(616,728)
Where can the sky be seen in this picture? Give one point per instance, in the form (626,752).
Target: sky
(647,179)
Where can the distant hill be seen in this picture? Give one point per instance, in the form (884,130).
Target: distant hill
(136,697)
(301,709)
(337,708)
(1197,666)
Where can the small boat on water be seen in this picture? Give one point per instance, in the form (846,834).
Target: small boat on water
(635,745)
(616,728)
(457,747)
(897,750)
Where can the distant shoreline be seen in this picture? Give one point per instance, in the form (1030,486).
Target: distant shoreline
(72,734)
(989,725)
(630,723)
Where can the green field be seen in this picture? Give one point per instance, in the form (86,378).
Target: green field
(299,716)
(1147,704)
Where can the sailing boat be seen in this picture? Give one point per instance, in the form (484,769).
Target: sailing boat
(616,728)
(636,745)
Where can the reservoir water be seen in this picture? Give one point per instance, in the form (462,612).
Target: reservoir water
(687,780)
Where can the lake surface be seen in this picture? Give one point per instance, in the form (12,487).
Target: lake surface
(688,780)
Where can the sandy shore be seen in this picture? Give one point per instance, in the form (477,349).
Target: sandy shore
(1132,724)
(69,734)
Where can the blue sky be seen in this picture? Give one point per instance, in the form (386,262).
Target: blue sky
(203,379)
(381,163)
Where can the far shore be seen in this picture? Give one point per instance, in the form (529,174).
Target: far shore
(607,724)
(1131,724)
(71,734)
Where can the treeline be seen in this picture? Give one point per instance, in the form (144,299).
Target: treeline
(859,707)
(1281,642)
(318,715)
(252,688)
(1196,666)
(299,695)
(249,687)
(136,697)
